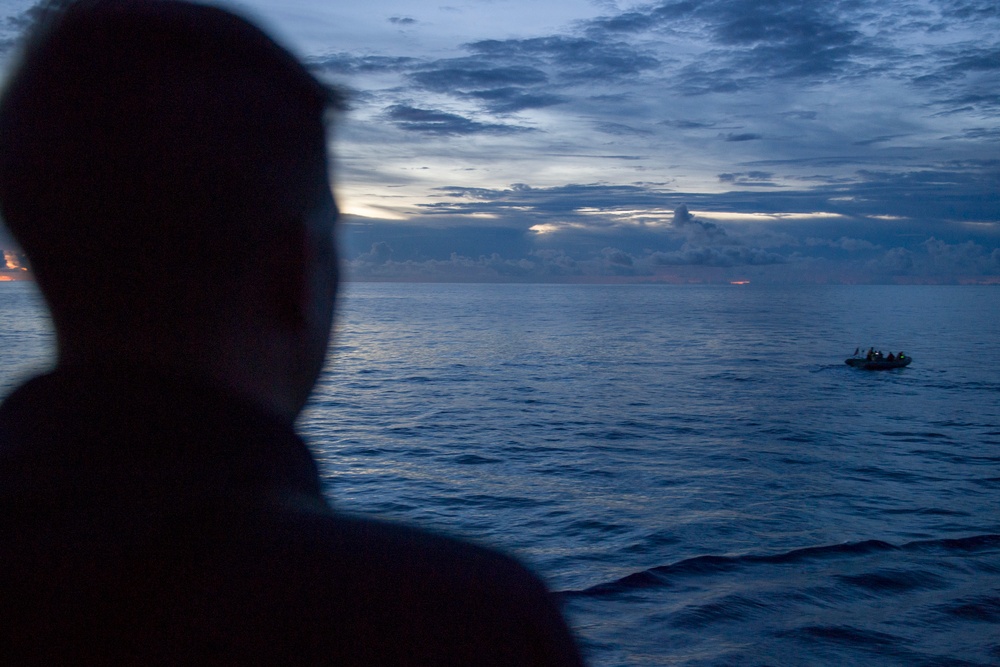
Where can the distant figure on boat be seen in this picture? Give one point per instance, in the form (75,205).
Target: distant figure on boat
(875,360)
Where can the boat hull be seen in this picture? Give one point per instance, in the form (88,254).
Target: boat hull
(878,364)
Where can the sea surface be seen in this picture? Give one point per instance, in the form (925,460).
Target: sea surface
(693,469)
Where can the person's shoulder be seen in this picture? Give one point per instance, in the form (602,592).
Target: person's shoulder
(412,596)
(435,560)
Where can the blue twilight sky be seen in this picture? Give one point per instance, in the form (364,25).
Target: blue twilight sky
(712,140)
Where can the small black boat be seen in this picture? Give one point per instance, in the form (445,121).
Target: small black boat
(882,364)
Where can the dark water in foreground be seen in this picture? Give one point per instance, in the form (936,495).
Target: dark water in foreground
(693,468)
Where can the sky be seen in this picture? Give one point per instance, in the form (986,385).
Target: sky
(798,141)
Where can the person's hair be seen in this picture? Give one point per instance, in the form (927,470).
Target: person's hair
(141,139)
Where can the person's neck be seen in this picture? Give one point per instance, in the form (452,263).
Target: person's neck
(250,375)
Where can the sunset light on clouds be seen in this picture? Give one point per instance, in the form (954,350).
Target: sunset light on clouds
(557,141)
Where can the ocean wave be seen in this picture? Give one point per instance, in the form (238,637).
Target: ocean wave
(665,576)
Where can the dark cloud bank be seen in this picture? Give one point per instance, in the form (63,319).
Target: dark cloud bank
(682,249)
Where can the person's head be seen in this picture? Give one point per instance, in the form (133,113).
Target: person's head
(163,166)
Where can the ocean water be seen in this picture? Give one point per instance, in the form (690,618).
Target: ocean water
(694,469)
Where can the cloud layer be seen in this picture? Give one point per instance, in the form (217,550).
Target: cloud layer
(851,141)
(791,140)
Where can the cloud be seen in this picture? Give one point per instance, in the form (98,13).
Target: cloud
(786,39)
(616,256)
(926,201)
(699,231)
(966,102)
(727,256)
(379,254)
(952,191)
(843,243)
(972,11)
(431,121)
(463,75)
(958,258)
(501,88)
(542,265)
(621,129)
(749,179)
(527,203)
(572,58)
(349,64)
(934,260)
(752,42)
(504,76)
(800,115)
(962,76)
(402,20)
(14,26)
(632,21)
(977,59)
(688,124)
(457,268)
(577,250)
(26,19)
(509,100)
(981,133)
(877,140)
(13,261)
(591,247)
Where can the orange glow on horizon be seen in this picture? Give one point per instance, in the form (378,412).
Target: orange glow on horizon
(10,259)
(12,269)
(739,282)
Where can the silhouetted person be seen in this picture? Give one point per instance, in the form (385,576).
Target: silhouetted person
(163,165)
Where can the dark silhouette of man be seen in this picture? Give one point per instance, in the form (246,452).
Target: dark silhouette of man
(163,165)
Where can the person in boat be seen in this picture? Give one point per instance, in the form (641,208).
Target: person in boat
(156,505)
(890,357)
(871,354)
